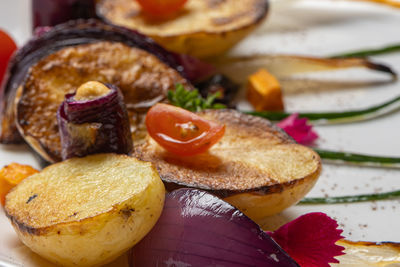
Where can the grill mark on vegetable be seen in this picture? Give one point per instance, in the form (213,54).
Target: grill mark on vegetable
(31,198)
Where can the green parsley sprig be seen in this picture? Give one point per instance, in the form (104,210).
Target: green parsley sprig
(192,100)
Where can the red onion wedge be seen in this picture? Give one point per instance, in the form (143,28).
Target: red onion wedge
(198,229)
(99,125)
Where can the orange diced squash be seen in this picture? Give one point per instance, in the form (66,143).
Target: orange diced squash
(264,92)
(11,175)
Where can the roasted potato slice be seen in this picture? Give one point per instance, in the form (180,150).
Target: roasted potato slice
(86,211)
(204,28)
(141,76)
(256,166)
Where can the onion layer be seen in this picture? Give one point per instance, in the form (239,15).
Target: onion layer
(99,125)
(199,229)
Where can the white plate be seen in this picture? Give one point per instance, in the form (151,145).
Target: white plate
(308,27)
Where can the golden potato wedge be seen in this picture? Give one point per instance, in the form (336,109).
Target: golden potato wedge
(86,211)
(204,28)
(256,166)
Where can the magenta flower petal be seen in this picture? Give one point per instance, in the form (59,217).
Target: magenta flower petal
(298,129)
(310,240)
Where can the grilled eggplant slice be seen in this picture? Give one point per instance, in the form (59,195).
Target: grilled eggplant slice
(204,28)
(142,78)
(86,211)
(256,166)
(61,36)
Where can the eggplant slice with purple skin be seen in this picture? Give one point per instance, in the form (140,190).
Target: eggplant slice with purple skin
(72,54)
(69,34)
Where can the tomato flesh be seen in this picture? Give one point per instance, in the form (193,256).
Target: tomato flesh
(161,8)
(7,48)
(180,131)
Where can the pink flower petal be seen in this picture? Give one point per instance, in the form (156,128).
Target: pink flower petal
(298,129)
(310,240)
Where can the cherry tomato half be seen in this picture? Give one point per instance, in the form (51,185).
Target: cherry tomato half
(161,8)
(7,48)
(180,131)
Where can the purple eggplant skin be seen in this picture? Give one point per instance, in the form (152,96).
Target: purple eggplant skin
(53,12)
(197,228)
(63,35)
(94,126)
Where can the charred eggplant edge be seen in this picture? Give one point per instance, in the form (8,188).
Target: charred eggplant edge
(68,34)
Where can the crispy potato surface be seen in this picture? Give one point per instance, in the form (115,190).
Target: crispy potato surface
(86,211)
(256,166)
(203,28)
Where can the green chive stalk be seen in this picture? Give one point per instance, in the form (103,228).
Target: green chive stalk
(352,199)
(359,159)
(336,117)
(370,52)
